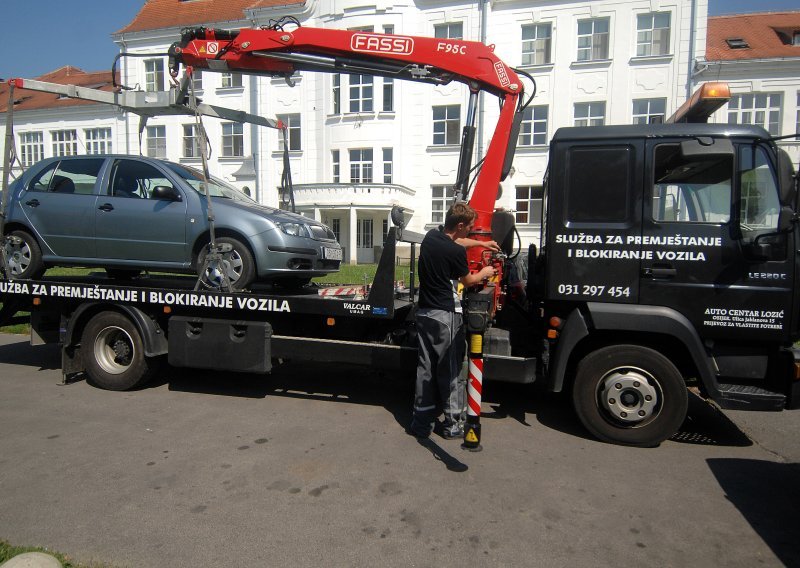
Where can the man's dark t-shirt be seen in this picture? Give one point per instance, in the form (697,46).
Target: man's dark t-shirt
(441,263)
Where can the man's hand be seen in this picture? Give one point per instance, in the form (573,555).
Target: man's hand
(469,243)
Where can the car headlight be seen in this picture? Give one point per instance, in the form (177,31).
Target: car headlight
(294,229)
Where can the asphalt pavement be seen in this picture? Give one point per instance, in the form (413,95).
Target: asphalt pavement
(311,466)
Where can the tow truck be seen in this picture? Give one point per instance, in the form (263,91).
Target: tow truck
(668,259)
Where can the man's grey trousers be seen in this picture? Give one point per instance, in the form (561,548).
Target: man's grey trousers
(440,385)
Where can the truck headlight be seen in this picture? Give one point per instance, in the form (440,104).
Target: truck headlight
(294,229)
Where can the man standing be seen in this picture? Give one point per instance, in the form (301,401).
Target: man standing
(440,329)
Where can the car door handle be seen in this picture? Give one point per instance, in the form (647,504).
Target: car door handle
(106,207)
(33,203)
(660,272)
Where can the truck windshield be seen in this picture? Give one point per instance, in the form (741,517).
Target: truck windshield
(759,202)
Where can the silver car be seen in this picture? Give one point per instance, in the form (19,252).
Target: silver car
(130,213)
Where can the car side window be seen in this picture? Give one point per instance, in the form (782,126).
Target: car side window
(136,180)
(41,181)
(76,176)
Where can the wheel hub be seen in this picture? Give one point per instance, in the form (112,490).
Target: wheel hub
(628,396)
(122,350)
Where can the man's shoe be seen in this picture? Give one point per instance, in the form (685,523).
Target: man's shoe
(453,434)
(418,435)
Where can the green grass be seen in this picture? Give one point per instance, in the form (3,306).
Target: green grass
(8,551)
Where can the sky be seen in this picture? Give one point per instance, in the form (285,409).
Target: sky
(42,35)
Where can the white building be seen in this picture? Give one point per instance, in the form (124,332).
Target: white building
(758,55)
(359,144)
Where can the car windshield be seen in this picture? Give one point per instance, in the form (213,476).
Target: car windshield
(216,187)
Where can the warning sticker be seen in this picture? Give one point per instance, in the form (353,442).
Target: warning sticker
(213,47)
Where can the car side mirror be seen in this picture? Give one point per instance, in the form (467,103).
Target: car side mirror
(166,193)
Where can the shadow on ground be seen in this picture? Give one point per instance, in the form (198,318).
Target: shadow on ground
(767,496)
(705,424)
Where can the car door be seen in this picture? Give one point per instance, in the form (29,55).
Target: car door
(133,226)
(59,203)
(701,220)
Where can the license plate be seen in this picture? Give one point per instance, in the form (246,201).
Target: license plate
(331,253)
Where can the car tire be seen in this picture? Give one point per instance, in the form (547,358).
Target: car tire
(122,273)
(629,395)
(24,256)
(113,352)
(238,263)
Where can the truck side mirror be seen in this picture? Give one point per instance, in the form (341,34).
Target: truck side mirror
(786,217)
(787,178)
(705,147)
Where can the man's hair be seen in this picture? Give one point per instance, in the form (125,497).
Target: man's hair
(460,212)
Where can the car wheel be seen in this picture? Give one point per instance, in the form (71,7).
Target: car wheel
(23,255)
(113,352)
(629,395)
(122,273)
(237,263)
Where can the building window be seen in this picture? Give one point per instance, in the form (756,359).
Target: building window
(536,41)
(385,230)
(439,198)
(336,166)
(388,29)
(31,147)
(191,142)
(797,125)
(65,142)
(450,30)
(529,204)
(533,130)
(388,158)
(98,141)
(336,227)
(364,233)
(361,165)
(154,75)
(590,114)
(652,34)
(197,80)
(292,122)
(337,93)
(446,124)
(157,141)
(761,109)
(593,39)
(232,139)
(231,80)
(361,93)
(649,111)
(388,94)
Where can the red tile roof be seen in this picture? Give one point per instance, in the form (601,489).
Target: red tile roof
(30,100)
(768,34)
(156,14)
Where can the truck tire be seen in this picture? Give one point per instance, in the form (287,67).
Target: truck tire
(239,263)
(24,255)
(629,395)
(113,353)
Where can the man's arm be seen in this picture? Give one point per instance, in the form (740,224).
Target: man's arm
(471,279)
(466,242)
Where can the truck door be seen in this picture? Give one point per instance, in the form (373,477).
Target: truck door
(703,211)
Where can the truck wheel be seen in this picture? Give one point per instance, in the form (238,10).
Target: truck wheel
(24,255)
(238,264)
(629,395)
(114,353)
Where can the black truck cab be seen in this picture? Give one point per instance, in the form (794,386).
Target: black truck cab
(679,239)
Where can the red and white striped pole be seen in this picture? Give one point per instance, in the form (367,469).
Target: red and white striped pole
(472,429)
